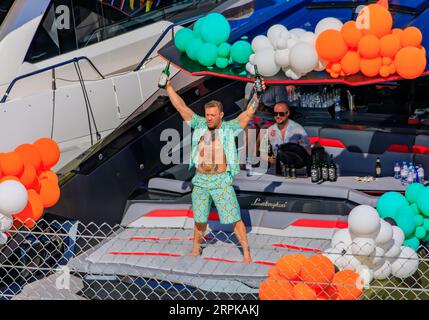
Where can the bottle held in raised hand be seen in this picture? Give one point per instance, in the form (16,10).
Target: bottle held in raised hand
(165,75)
(259,86)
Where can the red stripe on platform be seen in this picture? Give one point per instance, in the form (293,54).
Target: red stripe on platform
(214,216)
(325,224)
(267,263)
(334,143)
(400,148)
(165,239)
(296,248)
(421,150)
(153,254)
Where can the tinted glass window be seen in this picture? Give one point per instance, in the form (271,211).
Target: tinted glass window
(5,6)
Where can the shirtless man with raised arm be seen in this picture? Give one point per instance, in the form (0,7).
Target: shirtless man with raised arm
(214,154)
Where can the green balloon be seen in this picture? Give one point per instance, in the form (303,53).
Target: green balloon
(215,29)
(419,220)
(423,201)
(405,221)
(415,208)
(389,203)
(197,28)
(426,224)
(413,243)
(222,63)
(182,39)
(193,48)
(412,192)
(224,50)
(241,51)
(207,54)
(426,239)
(420,233)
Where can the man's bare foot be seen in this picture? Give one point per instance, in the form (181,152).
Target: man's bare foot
(195,253)
(246,258)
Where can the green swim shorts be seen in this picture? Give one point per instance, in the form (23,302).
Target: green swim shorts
(217,188)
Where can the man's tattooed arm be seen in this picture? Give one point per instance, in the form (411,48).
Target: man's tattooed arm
(245,117)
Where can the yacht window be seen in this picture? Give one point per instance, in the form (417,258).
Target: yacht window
(5,6)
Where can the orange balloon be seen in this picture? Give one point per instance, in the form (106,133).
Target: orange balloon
(319,271)
(392,68)
(384,71)
(350,63)
(375,20)
(410,62)
(370,67)
(274,274)
(387,61)
(411,37)
(29,154)
(397,33)
(11,164)
(330,45)
(49,151)
(275,290)
(348,285)
(5,178)
(351,34)
(369,47)
(32,212)
(336,67)
(49,193)
(50,175)
(28,175)
(289,266)
(334,75)
(389,46)
(303,291)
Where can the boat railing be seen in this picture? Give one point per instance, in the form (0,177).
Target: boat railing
(162,36)
(52,67)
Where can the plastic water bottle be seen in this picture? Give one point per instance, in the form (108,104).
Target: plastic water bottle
(404,173)
(413,171)
(397,170)
(337,110)
(410,177)
(421,174)
(249,167)
(416,174)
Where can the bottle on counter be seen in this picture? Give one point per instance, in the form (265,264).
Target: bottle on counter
(378,168)
(410,177)
(314,170)
(416,174)
(397,170)
(333,173)
(292,171)
(325,170)
(249,167)
(319,168)
(421,174)
(162,83)
(337,109)
(404,173)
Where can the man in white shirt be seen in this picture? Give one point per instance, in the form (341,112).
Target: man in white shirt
(283,131)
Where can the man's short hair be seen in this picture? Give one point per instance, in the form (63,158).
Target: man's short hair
(283,103)
(214,103)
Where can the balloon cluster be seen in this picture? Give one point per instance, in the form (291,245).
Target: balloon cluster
(369,45)
(372,247)
(410,213)
(207,43)
(27,184)
(292,51)
(296,277)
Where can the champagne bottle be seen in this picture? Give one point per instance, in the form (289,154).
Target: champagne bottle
(325,171)
(378,168)
(259,88)
(314,171)
(162,83)
(333,175)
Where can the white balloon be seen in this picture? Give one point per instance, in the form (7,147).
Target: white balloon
(351,262)
(364,221)
(341,239)
(335,255)
(327,24)
(308,37)
(321,65)
(281,44)
(297,33)
(6,223)
(406,264)
(260,43)
(252,59)
(383,272)
(363,246)
(285,35)
(250,68)
(303,58)
(282,57)
(265,60)
(292,74)
(366,274)
(274,33)
(13,197)
(398,235)
(378,256)
(3,238)
(291,43)
(385,234)
(393,253)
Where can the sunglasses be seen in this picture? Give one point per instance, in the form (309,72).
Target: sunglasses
(281,114)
